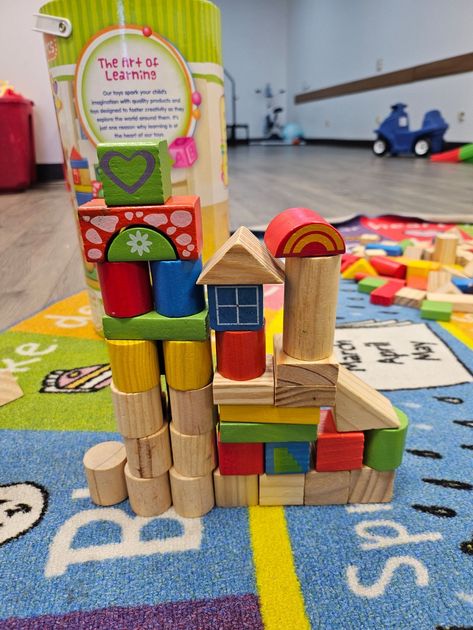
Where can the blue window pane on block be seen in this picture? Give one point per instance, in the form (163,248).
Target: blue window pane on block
(226,296)
(248,295)
(227,315)
(248,315)
(236,307)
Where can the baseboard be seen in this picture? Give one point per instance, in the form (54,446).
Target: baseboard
(341,142)
(49,172)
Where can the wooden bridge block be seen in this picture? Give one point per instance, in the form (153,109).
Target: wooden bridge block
(188,364)
(290,371)
(240,459)
(304,396)
(126,288)
(154,326)
(235,490)
(149,456)
(326,488)
(193,455)
(148,497)
(140,414)
(256,391)
(193,411)
(266,432)
(192,496)
(176,293)
(371,486)
(241,355)
(104,466)
(281,489)
(134,364)
(286,457)
(269,413)
(384,448)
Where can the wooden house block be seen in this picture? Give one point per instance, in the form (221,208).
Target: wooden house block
(9,388)
(290,371)
(281,489)
(193,455)
(369,284)
(335,451)
(192,496)
(241,355)
(175,291)
(266,432)
(460,303)
(149,456)
(256,391)
(326,488)
(359,266)
(409,297)
(154,326)
(193,411)
(384,295)
(240,459)
(148,497)
(236,307)
(235,490)
(384,448)
(435,310)
(126,288)
(104,466)
(188,364)
(388,267)
(134,365)
(371,486)
(269,413)
(140,414)
(286,457)
(304,396)
(359,407)
(445,248)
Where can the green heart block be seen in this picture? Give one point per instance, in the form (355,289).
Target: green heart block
(140,243)
(384,448)
(155,327)
(135,173)
(266,432)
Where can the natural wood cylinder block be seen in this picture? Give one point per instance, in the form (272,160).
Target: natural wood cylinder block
(148,497)
(140,414)
(192,496)
(149,456)
(188,364)
(445,248)
(193,455)
(134,364)
(104,466)
(193,412)
(310,305)
(235,490)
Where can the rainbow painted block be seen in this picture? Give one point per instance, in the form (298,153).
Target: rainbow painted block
(286,457)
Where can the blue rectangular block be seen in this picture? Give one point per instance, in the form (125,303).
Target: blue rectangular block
(286,457)
(464,284)
(236,307)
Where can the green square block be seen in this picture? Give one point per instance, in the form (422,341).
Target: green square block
(156,327)
(135,173)
(369,284)
(440,311)
(384,448)
(266,432)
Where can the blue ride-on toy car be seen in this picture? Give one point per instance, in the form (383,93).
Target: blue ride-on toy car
(394,135)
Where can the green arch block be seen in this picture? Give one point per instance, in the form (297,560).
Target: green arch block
(140,243)
(384,448)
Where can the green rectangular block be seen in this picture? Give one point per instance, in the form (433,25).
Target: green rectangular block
(266,432)
(156,327)
(439,311)
(407,242)
(369,284)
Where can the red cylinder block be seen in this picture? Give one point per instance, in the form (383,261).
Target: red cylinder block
(241,354)
(388,267)
(126,288)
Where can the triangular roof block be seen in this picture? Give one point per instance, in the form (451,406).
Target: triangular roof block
(359,407)
(243,259)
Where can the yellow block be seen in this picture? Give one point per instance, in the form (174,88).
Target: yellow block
(359,266)
(82,188)
(134,364)
(188,364)
(418,267)
(268,413)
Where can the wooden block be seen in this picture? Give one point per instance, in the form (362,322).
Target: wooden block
(148,497)
(192,496)
(464,285)
(134,364)
(371,253)
(140,414)
(291,371)
(326,488)
(269,413)
(135,173)
(188,364)
(359,407)
(149,456)
(9,388)
(257,391)
(388,267)
(384,448)
(281,489)
(140,244)
(304,396)
(235,490)
(241,355)
(460,303)
(337,451)
(464,257)
(154,326)
(438,311)
(416,282)
(243,259)
(286,457)
(348,260)
(359,266)
(369,238)
(468,269)
(193,411)
(193,455)
(445,248)
(384,295)
(409,297)
(104,466)
(310,304)
(413,252)
(175,291)
(266,432)
(236,307)
(126,288)
(371,486)
(437,279)
(240,459)
(369,284)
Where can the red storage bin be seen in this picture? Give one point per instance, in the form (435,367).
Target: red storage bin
(17,158)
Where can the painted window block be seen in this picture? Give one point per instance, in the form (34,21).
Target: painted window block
(287,457)
(236,307)
(183,151)
(176,293)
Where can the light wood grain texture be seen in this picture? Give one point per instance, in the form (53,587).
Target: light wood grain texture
(291,371)
(437,279)
(461,303)
(410,297)
(310,304)
(193,411)
(468,269)
(359,407)
(269,413)
(139,414)
(281,489)
(304,396)
(134,364)
(369,238)
(193,455)
(326,488)
(413,252)
(188,364)
(445,248)
(149,456)
(148,497)
(256,391)
(235,490)
(192,496)
(9,388)
(464,257)
(104,466)
(370,486)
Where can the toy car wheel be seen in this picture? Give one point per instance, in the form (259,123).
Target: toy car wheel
(422,147)
(380,147)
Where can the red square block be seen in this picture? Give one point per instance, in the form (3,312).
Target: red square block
(385,295)
(336,450)
(241,458)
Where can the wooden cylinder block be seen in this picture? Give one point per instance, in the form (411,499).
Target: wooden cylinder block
(193,455)
(176,293)
(188,364)
(241,354)
(445,248)
(310,305)
(134,364)
(148,497)
(126,288)
(192,496)
(140,414)
(149,456)
(193,412)
(235,490)
(104,466)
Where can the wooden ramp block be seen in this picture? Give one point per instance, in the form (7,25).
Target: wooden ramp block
(240,459)
(256,391)
(326,488)
(188,364)
(9,388)
(193,455)
(235,490)
(290,371)
(281,489)
(384,448)
(148,497)
(359,407)
(304,396)
(192,496)
(134,364)
(104,466)
(193,411)
(238,432)
(149,456)
(268,413)
(371,486)
(139,414)
(409,297)
(154,326)
(241,354)
(445,248)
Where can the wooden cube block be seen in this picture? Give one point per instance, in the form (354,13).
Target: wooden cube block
(281,489)
(240,458)
(256,391)
(235,490)
(335,450)
(290,372)
(286,457)
(371,486)
(326,488)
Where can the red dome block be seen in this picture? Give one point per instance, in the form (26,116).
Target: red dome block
(126,288)
(241,354)
(302,233)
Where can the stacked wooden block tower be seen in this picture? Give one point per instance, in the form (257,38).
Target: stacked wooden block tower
(294,427)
